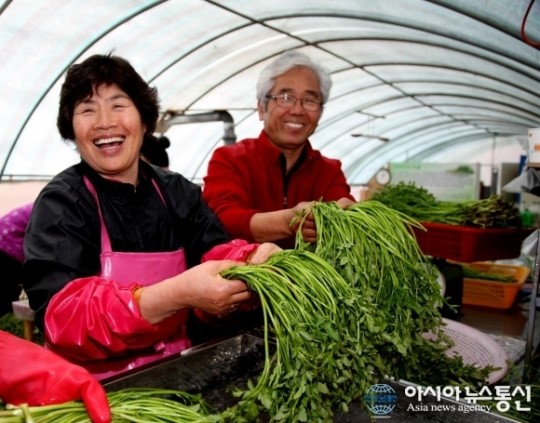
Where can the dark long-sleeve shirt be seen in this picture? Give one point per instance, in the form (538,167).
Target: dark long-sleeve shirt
(62,241)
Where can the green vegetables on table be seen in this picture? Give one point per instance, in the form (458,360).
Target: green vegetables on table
(339,316)
(421,205)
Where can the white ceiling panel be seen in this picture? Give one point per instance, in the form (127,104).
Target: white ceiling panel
(413,79)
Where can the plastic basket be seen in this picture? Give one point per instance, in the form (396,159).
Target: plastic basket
(466,244)
(494,294)
(475,348)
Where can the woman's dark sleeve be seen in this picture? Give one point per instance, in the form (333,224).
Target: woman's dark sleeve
(197,224)
(60,244)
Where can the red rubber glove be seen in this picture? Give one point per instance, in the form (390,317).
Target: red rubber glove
(31,374)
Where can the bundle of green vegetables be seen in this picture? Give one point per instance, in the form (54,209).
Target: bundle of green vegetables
(308,308)
(371,246)
(136,405)
(345,313)
(418,203)
(472,273)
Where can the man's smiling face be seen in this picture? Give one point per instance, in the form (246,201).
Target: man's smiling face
(289,128)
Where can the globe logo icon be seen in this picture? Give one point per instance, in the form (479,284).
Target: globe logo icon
(380,399)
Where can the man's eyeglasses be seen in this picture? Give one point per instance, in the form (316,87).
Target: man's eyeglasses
(288,101)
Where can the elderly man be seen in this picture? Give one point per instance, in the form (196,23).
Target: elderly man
(258,186)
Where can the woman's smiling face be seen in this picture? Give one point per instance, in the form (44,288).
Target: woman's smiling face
(109,132)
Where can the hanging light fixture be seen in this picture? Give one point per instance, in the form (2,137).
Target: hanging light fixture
(368,124)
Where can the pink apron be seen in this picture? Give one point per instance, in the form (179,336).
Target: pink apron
(145,268)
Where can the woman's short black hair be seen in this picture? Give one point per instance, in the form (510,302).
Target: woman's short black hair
(83,78)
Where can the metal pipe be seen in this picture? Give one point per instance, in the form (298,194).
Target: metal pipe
(527,371)
(229,136)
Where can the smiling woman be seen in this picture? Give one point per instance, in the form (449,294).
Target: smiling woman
(118,241)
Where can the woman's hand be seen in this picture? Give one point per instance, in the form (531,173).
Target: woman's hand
(200,287)
(219,296)
(211,292)
(263,252)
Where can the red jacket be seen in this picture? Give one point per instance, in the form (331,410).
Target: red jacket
(247,178)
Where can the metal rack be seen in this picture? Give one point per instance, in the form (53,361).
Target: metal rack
(532,313)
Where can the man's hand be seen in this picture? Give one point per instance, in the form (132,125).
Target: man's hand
(345,202)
